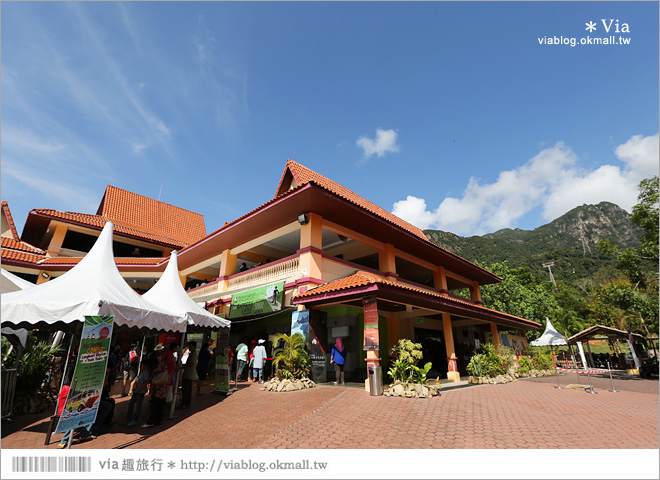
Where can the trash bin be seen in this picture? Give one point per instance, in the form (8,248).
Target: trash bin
(375,380)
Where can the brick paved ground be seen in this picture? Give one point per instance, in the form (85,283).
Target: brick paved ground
(528,414)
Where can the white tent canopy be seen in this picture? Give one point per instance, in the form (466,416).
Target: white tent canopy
(93,287)
(550,337)
(13,283)
(169,293)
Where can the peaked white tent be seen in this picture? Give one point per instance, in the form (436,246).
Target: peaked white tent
(169,293)
(550,337)
(12,283)
(93,287)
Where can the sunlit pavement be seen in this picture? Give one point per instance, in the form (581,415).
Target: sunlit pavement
(528,414)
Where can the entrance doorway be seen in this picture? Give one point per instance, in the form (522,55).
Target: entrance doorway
(434,351)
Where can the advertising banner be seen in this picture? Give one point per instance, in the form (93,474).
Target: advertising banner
(300,323)
(257,301)
(82,403)
(371,341)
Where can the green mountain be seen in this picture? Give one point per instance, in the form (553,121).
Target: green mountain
(568,241)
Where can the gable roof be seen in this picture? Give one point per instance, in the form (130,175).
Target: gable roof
(10,221)
(151,216)
(295,175)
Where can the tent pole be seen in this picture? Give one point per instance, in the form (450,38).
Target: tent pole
(144,339)
(175,387)
(66,367)
(556,371)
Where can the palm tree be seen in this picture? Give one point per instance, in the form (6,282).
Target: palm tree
(291,359)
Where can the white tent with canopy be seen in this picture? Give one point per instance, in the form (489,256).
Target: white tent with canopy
(551,337)
(169,293)
(93,287)
(13,283)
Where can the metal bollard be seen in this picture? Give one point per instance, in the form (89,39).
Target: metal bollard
(611,381)
(591,388)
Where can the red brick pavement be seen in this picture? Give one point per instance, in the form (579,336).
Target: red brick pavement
(522,414)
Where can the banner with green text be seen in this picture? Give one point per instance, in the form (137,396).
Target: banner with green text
(84,397)
(257,301)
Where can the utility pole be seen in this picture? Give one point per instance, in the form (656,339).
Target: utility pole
(549,267)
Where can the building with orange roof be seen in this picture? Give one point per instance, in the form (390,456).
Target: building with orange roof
(316,258)
(146,231)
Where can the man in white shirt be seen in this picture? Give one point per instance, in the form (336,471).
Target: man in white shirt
(241,356)
(259,353)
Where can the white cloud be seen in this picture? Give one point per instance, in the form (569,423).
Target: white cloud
(550,180)
(385,142)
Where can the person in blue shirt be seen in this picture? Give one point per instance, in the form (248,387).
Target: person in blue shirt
(338,359)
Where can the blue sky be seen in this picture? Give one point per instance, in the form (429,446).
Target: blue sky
(453,115)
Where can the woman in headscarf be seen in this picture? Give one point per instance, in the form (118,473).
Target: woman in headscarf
(338,359)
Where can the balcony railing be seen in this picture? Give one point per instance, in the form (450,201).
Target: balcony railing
(266,274)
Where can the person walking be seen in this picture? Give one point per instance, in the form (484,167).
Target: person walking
(241,356)
(189,375)
(129,367)
(139,391)
(338,359)
(160,384)
(203,366)
(259,354)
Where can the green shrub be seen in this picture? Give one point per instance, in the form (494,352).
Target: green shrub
(495,363)
(477,365)
(404,368)
(525,364)
(543,361)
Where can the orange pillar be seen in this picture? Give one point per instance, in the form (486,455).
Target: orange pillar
(228,264)
(387,261)
(496,335)
(440,279)
(475,292)
(57,240)
(311,235)
(452,366)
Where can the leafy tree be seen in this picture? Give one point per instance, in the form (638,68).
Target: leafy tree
(645,215)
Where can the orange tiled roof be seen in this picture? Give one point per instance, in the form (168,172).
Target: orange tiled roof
(10,220)
(362,279)
(151,216)
(304,175)
(118,260)
(99,221)
(20,245)
(15,255)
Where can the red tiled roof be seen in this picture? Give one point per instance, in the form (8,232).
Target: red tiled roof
(20,245)
(10,220)
(151,216)
(304,175)
(98,221)
(363,279)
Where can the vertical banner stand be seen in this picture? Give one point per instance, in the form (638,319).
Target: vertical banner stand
(611,381)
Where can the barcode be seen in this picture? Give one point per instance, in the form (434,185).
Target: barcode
(51,464)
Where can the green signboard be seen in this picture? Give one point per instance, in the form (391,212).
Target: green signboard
(257,301)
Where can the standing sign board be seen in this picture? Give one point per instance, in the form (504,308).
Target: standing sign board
(84,397)
(221,377)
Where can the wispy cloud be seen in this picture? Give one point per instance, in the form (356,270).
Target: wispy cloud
(550,180)
(384,142)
